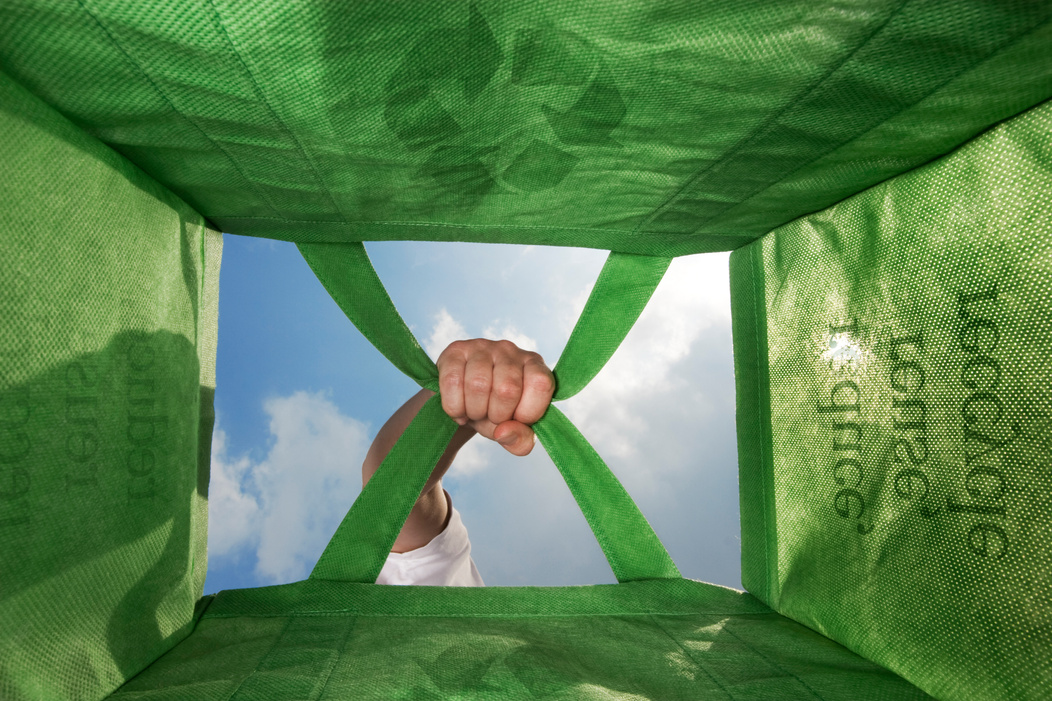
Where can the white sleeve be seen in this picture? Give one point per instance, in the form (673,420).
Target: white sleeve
(444,562)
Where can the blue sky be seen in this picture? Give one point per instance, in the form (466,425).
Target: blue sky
(300,395)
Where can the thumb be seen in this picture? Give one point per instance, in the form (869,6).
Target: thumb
(515,437)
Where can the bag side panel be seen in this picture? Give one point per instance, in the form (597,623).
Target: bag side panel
(910,418)
(658,639)
(663,129)
(108,309)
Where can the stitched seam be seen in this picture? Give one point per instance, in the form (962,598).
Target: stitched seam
(358,614)
(328,674)
(585,229)
(858,136)
(277,643)
(429,224)
(263,100)
(771,662)
(759,405)
(693,659)
(165,97)
(771,120)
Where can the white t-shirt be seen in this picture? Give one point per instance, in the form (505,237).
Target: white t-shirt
(444,562)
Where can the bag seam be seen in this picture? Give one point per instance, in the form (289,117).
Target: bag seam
(730,153)
(360,614)
(771,662)
(335,663)
(692,658)
(861,134)
(264,656)
(263,100)
(763,379)
(120,47)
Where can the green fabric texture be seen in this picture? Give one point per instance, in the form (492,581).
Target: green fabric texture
(336,636)
(349,277)
(896,437)
(659,128)
(881,170)
(105,409)
(357,551)
(670,639)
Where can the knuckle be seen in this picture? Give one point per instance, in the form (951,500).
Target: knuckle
(542,383)
(452,380)
(454,348)
(508,391)
(478,385)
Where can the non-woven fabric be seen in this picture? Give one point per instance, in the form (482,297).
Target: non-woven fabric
(653,635)
(658,638)
(652,129)
(337,635)
(108,312)
(669,640)
(660,128)
(895,418)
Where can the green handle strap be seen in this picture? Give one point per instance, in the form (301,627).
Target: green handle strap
(360,545)
(358,549)
(614,518)
(347,273)
(623,289)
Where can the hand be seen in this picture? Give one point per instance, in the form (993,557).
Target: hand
(497,389)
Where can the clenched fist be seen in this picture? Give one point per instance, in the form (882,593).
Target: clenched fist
(495,388)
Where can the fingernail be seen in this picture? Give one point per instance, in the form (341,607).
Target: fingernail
(507,439)
(461,422)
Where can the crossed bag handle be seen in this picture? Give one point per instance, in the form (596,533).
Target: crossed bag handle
(359,548)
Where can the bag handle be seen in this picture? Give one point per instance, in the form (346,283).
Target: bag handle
(346,272)
(357,550)
(359,547)
(625,285)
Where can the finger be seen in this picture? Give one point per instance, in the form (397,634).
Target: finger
(506,390)
(452,365)
(516,438)
(484,427)
(478,379)
(538,386)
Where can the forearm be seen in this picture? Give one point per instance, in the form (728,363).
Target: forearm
(488,387)
(430,513)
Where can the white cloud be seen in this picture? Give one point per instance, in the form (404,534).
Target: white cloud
(233,513)
(692,300)
(286,506)
(473,458)
(509,332)
(445,331)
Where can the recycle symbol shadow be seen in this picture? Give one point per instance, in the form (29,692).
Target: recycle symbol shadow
(463,60)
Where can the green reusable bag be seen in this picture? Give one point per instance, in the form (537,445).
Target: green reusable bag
(654,635)
(663,127)
(895,418)
(794,132)
(108,310)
